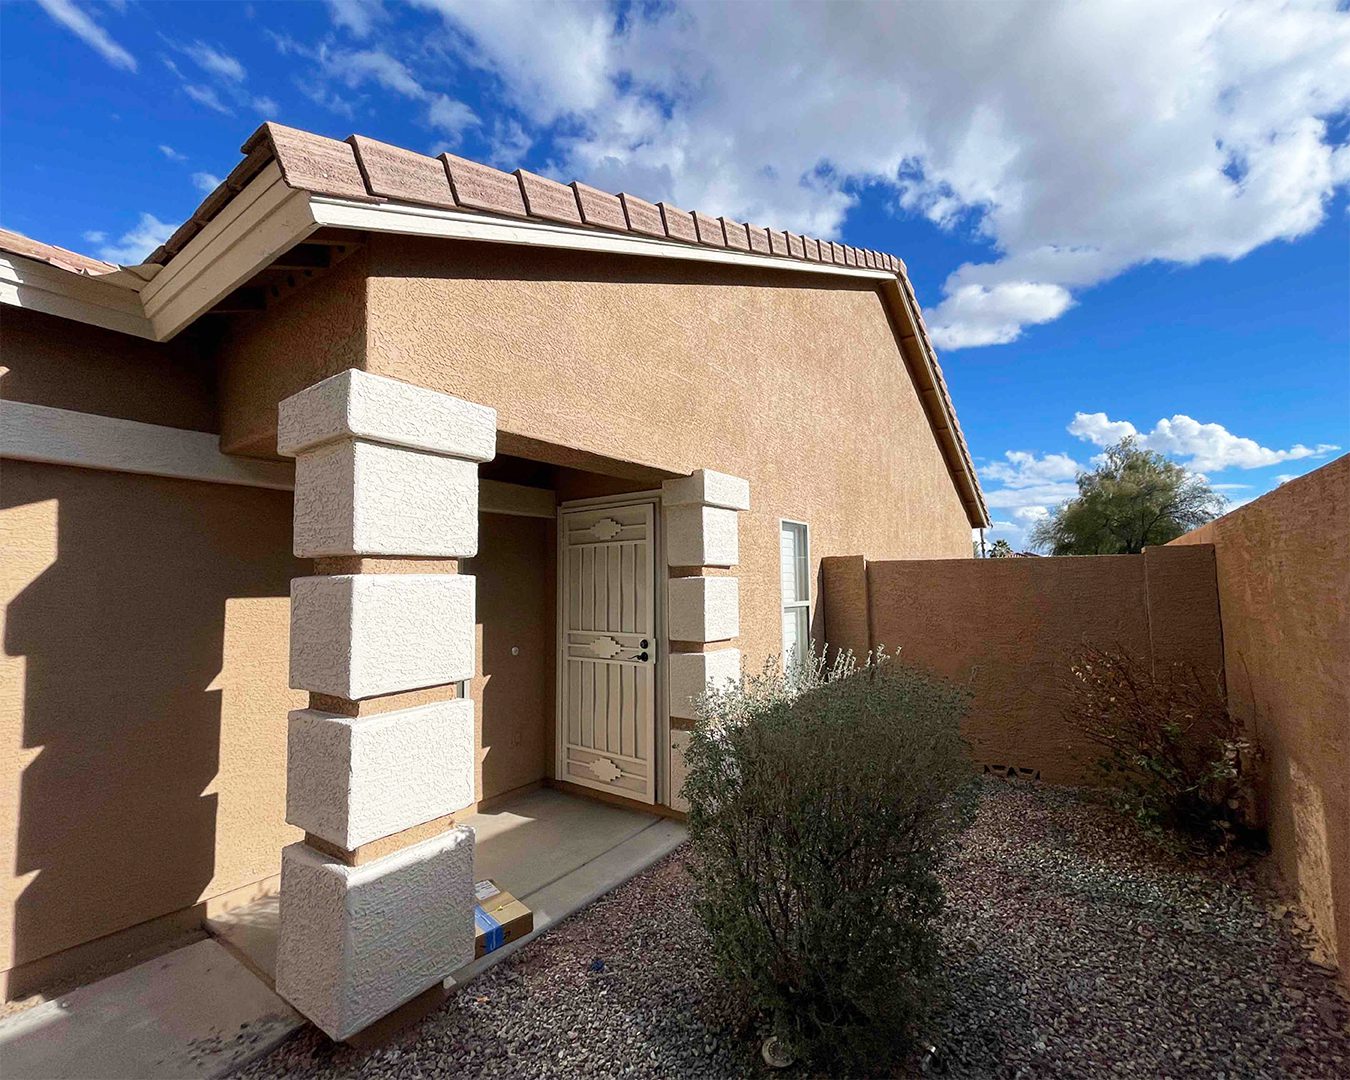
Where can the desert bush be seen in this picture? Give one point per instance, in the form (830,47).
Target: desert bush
(822,804)
(1181,760)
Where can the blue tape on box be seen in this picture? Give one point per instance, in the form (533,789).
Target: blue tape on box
(493,934)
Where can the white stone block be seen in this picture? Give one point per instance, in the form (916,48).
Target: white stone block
(358,405)
(351,780)
(707,488)
(356,942)
(360,635)
(691,674)
(703,608)
(701,536)
(364,498)
(679,743)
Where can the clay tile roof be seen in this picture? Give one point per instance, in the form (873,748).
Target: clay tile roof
(367,170)
(18,244)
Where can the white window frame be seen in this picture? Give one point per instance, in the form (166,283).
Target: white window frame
(796,605)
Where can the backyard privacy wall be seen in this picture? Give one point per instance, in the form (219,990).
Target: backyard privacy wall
(1008,628)
(1283,566)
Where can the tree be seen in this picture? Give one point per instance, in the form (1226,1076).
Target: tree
(1136,498)
(1000,549)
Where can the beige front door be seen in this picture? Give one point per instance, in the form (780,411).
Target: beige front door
(607,649)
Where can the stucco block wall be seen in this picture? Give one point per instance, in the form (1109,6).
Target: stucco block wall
(142,697)
(1009,627)
(798,387)
(1283,566)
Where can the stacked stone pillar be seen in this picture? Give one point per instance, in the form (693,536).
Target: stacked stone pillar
(702,539)
(377,901)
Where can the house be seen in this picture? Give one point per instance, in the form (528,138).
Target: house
(477,476)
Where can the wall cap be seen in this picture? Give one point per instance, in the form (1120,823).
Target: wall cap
(355,404)
(704,487)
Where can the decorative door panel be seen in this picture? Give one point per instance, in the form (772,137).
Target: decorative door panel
(607,719)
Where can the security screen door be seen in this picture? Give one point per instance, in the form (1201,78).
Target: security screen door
(607,663)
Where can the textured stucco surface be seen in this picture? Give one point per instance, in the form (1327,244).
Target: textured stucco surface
(141,692)
(66,365)
(513,685)
(351,780)
(799,388)
(1283,568)
(354,497)
(358,941)
(359,635)
(1009,628)
(691,674)
(703,608)
(701,536)
(357,404)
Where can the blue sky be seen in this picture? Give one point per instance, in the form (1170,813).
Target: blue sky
(1110,229)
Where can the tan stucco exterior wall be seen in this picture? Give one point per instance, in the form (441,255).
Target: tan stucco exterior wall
(1283,567)
(143,678)
(1008,628)
(142,700)
(799,387)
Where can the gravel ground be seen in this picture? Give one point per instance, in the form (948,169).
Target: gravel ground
(1076,948)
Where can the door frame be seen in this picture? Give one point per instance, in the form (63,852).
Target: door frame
(661,746)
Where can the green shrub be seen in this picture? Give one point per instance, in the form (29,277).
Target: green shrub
(1182,760)
(822,804)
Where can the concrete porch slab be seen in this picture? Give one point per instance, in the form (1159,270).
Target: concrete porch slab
(195,1012)
(554,852)
(198,1012)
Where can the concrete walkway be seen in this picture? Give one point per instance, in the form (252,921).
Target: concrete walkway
(199,1012)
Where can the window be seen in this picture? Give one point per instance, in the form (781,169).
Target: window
(795,574)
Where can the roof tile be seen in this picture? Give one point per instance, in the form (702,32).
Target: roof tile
(759,239)
(394,173)
(736,234)
(709,230)
(796,247)
(548,199)
(778,242)
(311,162)
(600,208)
(642,216)
(679,223)
(481,187)
(811,247)
(18,244)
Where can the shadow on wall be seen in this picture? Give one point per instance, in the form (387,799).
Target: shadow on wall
(121,624)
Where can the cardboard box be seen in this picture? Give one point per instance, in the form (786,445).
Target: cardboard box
(498,918)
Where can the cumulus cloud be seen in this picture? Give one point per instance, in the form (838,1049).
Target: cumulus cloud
(1075,139)
(1202,447)
(78,22)
(136,243)
(356,68)
(205,182)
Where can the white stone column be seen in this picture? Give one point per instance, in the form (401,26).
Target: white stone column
(377,901)
(702,534)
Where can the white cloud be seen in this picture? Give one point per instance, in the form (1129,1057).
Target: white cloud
(1022,469)
(1284,478)
(1075,138)
(205,95)
(357,16)
(266,105)
(205,182)
(172,154)
(78,22)
(95,236)
(215,62)
(1202,447)
(450,116)
(509,144)
(138,242)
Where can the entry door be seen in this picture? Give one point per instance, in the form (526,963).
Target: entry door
(607,663)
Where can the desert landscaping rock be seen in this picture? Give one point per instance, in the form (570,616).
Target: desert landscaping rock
(1075,947)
